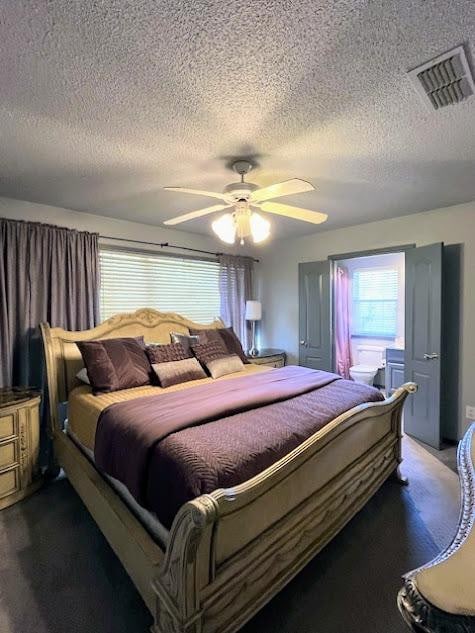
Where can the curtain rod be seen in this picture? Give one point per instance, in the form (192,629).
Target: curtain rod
(167,245)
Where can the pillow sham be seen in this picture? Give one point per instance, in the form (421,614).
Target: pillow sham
(233,344)
(225,334)
(215,357)
(82,376)
(206,336)
(115,363)
(185,339)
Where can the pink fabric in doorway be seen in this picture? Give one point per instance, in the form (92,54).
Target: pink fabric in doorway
(342,323)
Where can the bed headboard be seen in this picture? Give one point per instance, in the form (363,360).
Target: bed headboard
(63,359)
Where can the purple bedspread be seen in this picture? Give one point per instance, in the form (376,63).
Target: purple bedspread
(170,448)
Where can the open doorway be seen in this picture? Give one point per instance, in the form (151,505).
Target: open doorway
(426,331)
(369,319)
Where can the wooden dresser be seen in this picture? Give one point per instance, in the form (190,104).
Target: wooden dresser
(19,444)
(270,357)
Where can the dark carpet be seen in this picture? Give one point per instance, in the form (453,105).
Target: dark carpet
(447,454)
(58,575)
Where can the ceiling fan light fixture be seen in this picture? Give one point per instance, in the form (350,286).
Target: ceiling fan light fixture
(225,228)
(260,228)
(242,197)
(242,220)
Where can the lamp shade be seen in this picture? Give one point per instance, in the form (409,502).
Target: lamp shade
(253,311)
(225,228)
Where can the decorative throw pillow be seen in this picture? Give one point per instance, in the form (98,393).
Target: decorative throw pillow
(215,357)
(167,353)
(177,371)
(115,363)
(227,335)
(173,364)
(185,339)
(210,350)
(229,364)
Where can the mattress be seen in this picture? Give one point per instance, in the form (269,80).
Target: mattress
(84,408)
(150,522)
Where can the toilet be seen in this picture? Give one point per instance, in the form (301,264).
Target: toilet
(370,359)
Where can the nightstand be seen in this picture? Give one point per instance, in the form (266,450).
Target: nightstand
(19,444)
(270,357)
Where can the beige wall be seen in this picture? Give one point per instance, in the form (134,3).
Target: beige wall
(278,277)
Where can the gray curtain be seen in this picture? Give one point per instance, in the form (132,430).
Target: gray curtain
(47,273)
(235,286)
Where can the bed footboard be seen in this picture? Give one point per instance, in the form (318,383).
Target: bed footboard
(231,551)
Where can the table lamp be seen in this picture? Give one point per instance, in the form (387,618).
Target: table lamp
(253,314)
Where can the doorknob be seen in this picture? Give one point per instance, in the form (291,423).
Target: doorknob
(302,342)
(431,356)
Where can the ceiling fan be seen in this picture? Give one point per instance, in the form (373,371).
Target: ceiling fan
(242,196)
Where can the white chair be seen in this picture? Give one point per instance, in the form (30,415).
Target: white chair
(440,596)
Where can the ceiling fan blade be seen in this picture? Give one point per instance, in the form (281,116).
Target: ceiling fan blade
(286,188)
(315,217)
(198,192)
(196,214)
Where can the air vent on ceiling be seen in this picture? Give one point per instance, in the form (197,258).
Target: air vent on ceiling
(445,80)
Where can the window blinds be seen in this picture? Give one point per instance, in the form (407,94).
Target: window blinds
(375,301)
(133,280)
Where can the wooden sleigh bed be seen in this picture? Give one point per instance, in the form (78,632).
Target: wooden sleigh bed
(228,552)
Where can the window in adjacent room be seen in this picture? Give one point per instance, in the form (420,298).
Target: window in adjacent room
(133,280)
(375,302)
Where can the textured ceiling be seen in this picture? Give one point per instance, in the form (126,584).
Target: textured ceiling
(104,103)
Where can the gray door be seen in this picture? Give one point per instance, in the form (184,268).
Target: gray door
(315,343)
(423,341)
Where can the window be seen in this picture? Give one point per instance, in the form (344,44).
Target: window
(133,280)
(375,295)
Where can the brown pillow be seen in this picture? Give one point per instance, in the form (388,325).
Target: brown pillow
(216,358)
(205,352)
(115,363)
(227,335)
(186,340)
(225,365)
(232,343)
(206,336)
(167,353)
(178,371)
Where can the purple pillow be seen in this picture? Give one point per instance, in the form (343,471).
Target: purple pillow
(216,358)
(226,335)
(116,363)
(167,353)
(233,344)
(210,350)
(173,364)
